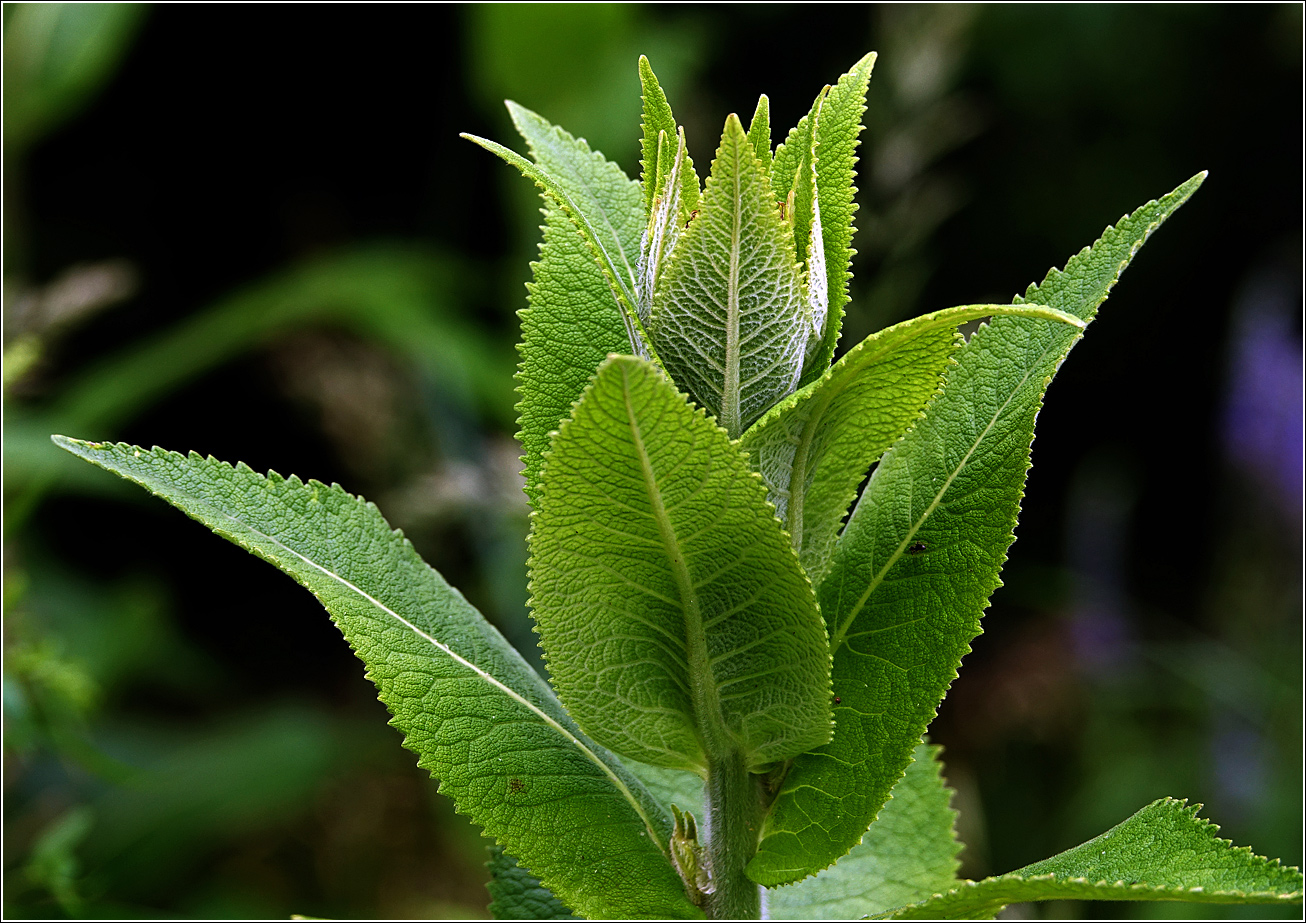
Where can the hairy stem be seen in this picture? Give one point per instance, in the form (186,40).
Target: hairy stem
(735,809)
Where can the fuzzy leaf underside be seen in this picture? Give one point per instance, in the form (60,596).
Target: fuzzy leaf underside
(676,621)
(516,894)
(908,855)
(663,231)
(837,136)
(1165,852)
(729,319)
(814,447)
(479,718)
(915,566)
(570,326)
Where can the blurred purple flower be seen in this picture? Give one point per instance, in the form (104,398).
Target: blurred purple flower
(1262,427)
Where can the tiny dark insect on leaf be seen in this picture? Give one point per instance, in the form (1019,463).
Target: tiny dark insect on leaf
(916,548)
(692,216)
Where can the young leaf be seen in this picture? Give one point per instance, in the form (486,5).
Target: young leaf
(840,124)
(909,854)
(676,621)
(759,132)
(480,719)
(662,234)
(571,325)
(1165,852)
(605,233)
(729,320)
(914,568)
(608,199)
(516,894)
(657,160)
(814,447)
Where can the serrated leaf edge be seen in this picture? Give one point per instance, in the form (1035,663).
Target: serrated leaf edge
(68,443)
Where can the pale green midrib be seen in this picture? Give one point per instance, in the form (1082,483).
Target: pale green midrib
(837,639)
(487,677)
(730,385)
(709,722)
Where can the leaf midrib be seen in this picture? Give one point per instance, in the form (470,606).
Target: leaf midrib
(714,736)
(838,637)
(730,386)
(490,679)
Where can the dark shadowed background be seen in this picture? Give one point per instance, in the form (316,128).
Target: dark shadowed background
(252,231)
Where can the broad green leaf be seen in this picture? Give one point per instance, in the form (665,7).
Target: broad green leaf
(516,894)
(480,719)
(616,254)
(908,855)
(1165,852)
(657,160)
(814,447)
(571,325)
(914,568)
(840,124)
(759,132)
(677,623)
(729,319)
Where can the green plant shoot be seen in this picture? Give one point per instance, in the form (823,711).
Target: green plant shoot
(743,671)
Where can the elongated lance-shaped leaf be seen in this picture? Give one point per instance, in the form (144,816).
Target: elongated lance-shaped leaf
(573,320)
(759,132)
(729,319)
(605,195)
(814,447)
(908,855)
(914,568)
(657,161)
(1165,852)
(570,326)
(840,124)
(617,253)
(516,894)
(479,718)
(675,619)
(662,233)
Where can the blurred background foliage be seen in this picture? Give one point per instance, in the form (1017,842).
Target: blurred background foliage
(253,232)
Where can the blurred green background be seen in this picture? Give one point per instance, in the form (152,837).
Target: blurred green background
(252,231)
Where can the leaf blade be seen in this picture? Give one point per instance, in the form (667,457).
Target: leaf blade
(908,855)
(729,318)
(837,135)
(921,554)
(1164,852)
(478,716)
(814,447)
(516,894)
(569,326)
(609,199)
(676,622)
